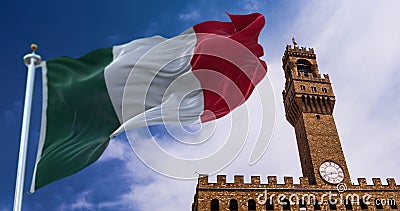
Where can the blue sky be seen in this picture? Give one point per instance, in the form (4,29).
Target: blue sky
(356,43)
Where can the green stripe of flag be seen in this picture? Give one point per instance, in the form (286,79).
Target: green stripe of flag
(78,119)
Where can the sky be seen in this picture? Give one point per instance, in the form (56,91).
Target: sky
(356,43)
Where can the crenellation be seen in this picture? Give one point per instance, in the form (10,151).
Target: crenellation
(304,181)
(221,180)
(377,181)
(362,181)
(255,180)
(288,181)
(311,77)
(290,48)
(203,180)
(326,77)
(298,52)
(238,179)
(272,180)
(391,182)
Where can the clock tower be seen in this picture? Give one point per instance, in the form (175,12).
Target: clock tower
(309,102)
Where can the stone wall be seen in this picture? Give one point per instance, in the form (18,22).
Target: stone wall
(242,192)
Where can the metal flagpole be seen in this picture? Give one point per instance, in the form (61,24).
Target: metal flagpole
(31,61)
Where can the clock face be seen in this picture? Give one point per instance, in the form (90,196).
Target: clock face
(331,172)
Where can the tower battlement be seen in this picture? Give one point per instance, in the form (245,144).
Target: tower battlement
(297,51)
(310,77)
(303,185)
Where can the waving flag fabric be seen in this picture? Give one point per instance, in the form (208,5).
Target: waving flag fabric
(198,76)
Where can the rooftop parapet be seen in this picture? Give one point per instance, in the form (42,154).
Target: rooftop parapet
(297,51)
(377,181)
(272,182)
(391,182)
(311,77)
(290,48)
(255,180)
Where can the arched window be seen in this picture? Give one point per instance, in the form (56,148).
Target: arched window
(269,205)
(314,89)
(286,204)
(303,66)
(233,205)
(251,205)
(214,205)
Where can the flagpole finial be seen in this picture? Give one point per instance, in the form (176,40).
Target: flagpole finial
(34,47)
(32,57)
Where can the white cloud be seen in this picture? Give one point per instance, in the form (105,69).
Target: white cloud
(80,203)
(115,150)
(190,16)
(252,6)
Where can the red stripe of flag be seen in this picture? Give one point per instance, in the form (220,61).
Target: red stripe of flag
(226,62)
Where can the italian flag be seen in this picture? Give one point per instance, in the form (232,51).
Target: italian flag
(199,76)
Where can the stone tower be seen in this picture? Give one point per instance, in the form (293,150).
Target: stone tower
(309,101)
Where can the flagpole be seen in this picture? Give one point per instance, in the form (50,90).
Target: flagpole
(31,60)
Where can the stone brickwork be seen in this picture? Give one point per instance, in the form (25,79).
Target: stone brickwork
(374,195)
(309,101)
